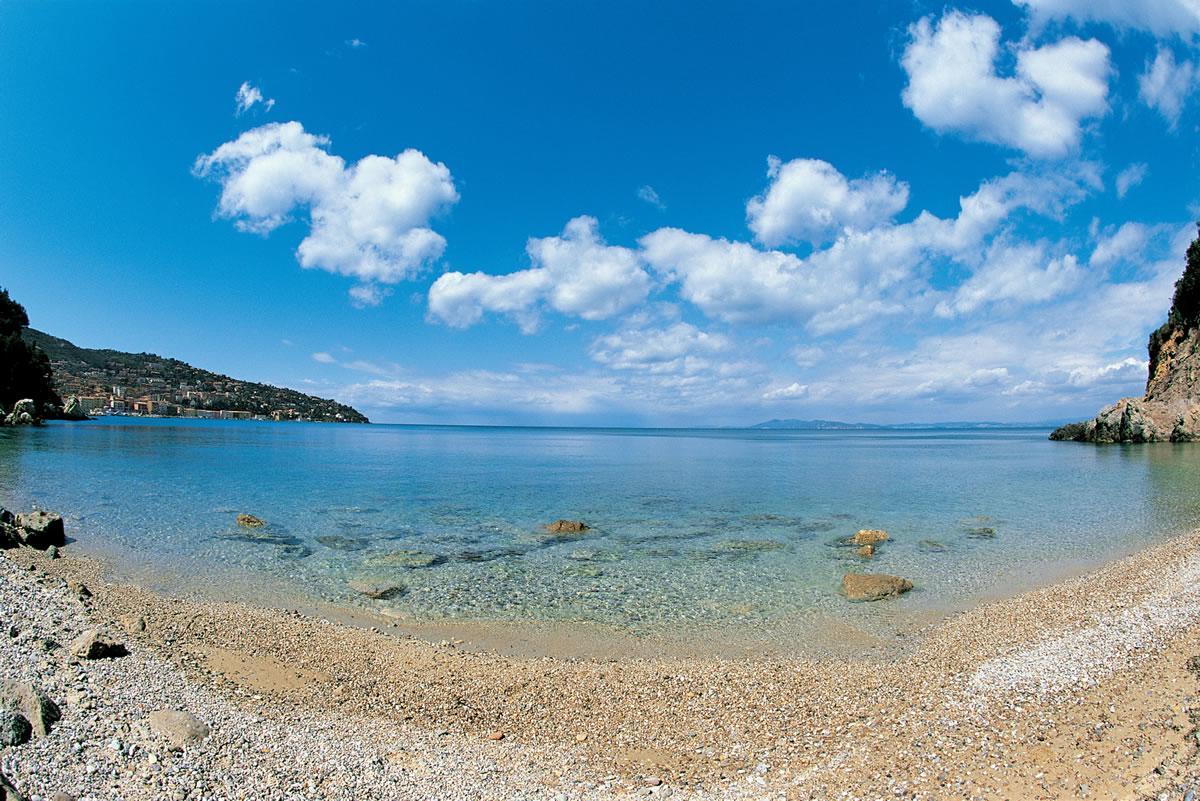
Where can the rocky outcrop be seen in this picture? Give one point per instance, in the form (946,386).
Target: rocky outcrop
(1170,409)
(73,410)
(40,529)
(24,413)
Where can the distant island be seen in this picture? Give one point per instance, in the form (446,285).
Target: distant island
(114,382)
(837,425)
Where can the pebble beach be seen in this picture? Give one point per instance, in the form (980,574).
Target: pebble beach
(1082,689)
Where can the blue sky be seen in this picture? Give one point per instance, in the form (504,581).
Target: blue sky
(610,213)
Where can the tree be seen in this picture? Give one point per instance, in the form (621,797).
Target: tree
(24,369)
(1185,308)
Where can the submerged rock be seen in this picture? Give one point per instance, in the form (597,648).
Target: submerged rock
(931,546)
(866,551)
(376,588)
(250,521)
(41,529)
(869,536)
(342,543)
(407,558)
(567,527)
(981,532)
(874,586)
(747,546)
(180,729)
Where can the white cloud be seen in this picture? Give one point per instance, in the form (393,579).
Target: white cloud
(364,295)
(808,200)
(790,392)
(369,220)
(650,195)
(1130,177)
(677,348)
(1160,17)
(1022,273)
(324,358)
(248,95)
(862,274)
(576,273)
(1165,85)
(355,44)
(1126,244)
(954,86)
(1123,371)
(807,355)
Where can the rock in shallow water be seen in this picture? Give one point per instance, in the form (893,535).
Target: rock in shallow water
(379,589)
(406,557)
(874,586)
(250,521)
(567,527)
(869,536)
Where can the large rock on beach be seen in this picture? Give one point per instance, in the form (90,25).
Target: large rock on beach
(10,535)
(567,527)
(874,586)
(92,644)
(14,728)
(178,728)
(31,703)
(41,529)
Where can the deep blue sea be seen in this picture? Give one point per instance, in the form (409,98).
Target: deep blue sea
(702,531)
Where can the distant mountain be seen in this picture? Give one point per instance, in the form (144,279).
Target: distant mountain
(144,383)
(836,425)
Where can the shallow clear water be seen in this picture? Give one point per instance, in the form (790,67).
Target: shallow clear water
(691,530)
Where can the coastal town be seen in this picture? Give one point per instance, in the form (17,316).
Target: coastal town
(109,382)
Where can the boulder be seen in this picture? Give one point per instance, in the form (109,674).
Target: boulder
(250,521)
(869,536)
(94,645)
(379,589)
(866,551)
(31,703)
(73,410)
(567,527)
(14,728)
(874,586)
(24,413)
(180,729)
(42,529)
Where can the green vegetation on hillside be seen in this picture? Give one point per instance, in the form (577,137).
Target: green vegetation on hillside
(1185,306)
(24,369)
(147,383)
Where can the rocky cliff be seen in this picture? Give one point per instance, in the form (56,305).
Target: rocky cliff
(1170,409)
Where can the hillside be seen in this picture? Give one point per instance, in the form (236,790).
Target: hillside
(144,383)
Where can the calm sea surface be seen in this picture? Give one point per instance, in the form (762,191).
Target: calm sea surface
(693,531)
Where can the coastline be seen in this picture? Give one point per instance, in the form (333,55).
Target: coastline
(1083,683)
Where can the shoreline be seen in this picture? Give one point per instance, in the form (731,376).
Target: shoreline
(1009,699)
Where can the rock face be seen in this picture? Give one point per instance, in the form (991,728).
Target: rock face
(1170,409)
(94,645)
(874,586)
(24,413)
(180,729)
(30,703)
(42,529)
(73,409)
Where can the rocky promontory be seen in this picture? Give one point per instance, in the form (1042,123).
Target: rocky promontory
(1170,409)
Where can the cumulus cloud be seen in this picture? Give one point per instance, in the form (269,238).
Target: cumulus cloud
(1130,177)
(790,392)
(575,273)
(368,220)
(1023,273)
(1165,85)
(676,348)
(248,96)
(1160,17)
(953,85)
(862,274)
(650,195)
(809,200)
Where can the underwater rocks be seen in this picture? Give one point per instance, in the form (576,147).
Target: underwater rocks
(340,543)
(406,558)
(869,536)
(567,527)
(250,521)
(376,589)
(874,586)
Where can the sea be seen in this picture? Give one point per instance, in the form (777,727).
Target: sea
(720,536)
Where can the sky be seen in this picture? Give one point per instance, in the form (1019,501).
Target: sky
(617,213)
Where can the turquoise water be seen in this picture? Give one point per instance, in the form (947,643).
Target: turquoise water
(692,530)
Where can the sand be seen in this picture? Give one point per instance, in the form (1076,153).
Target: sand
(1077,690)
